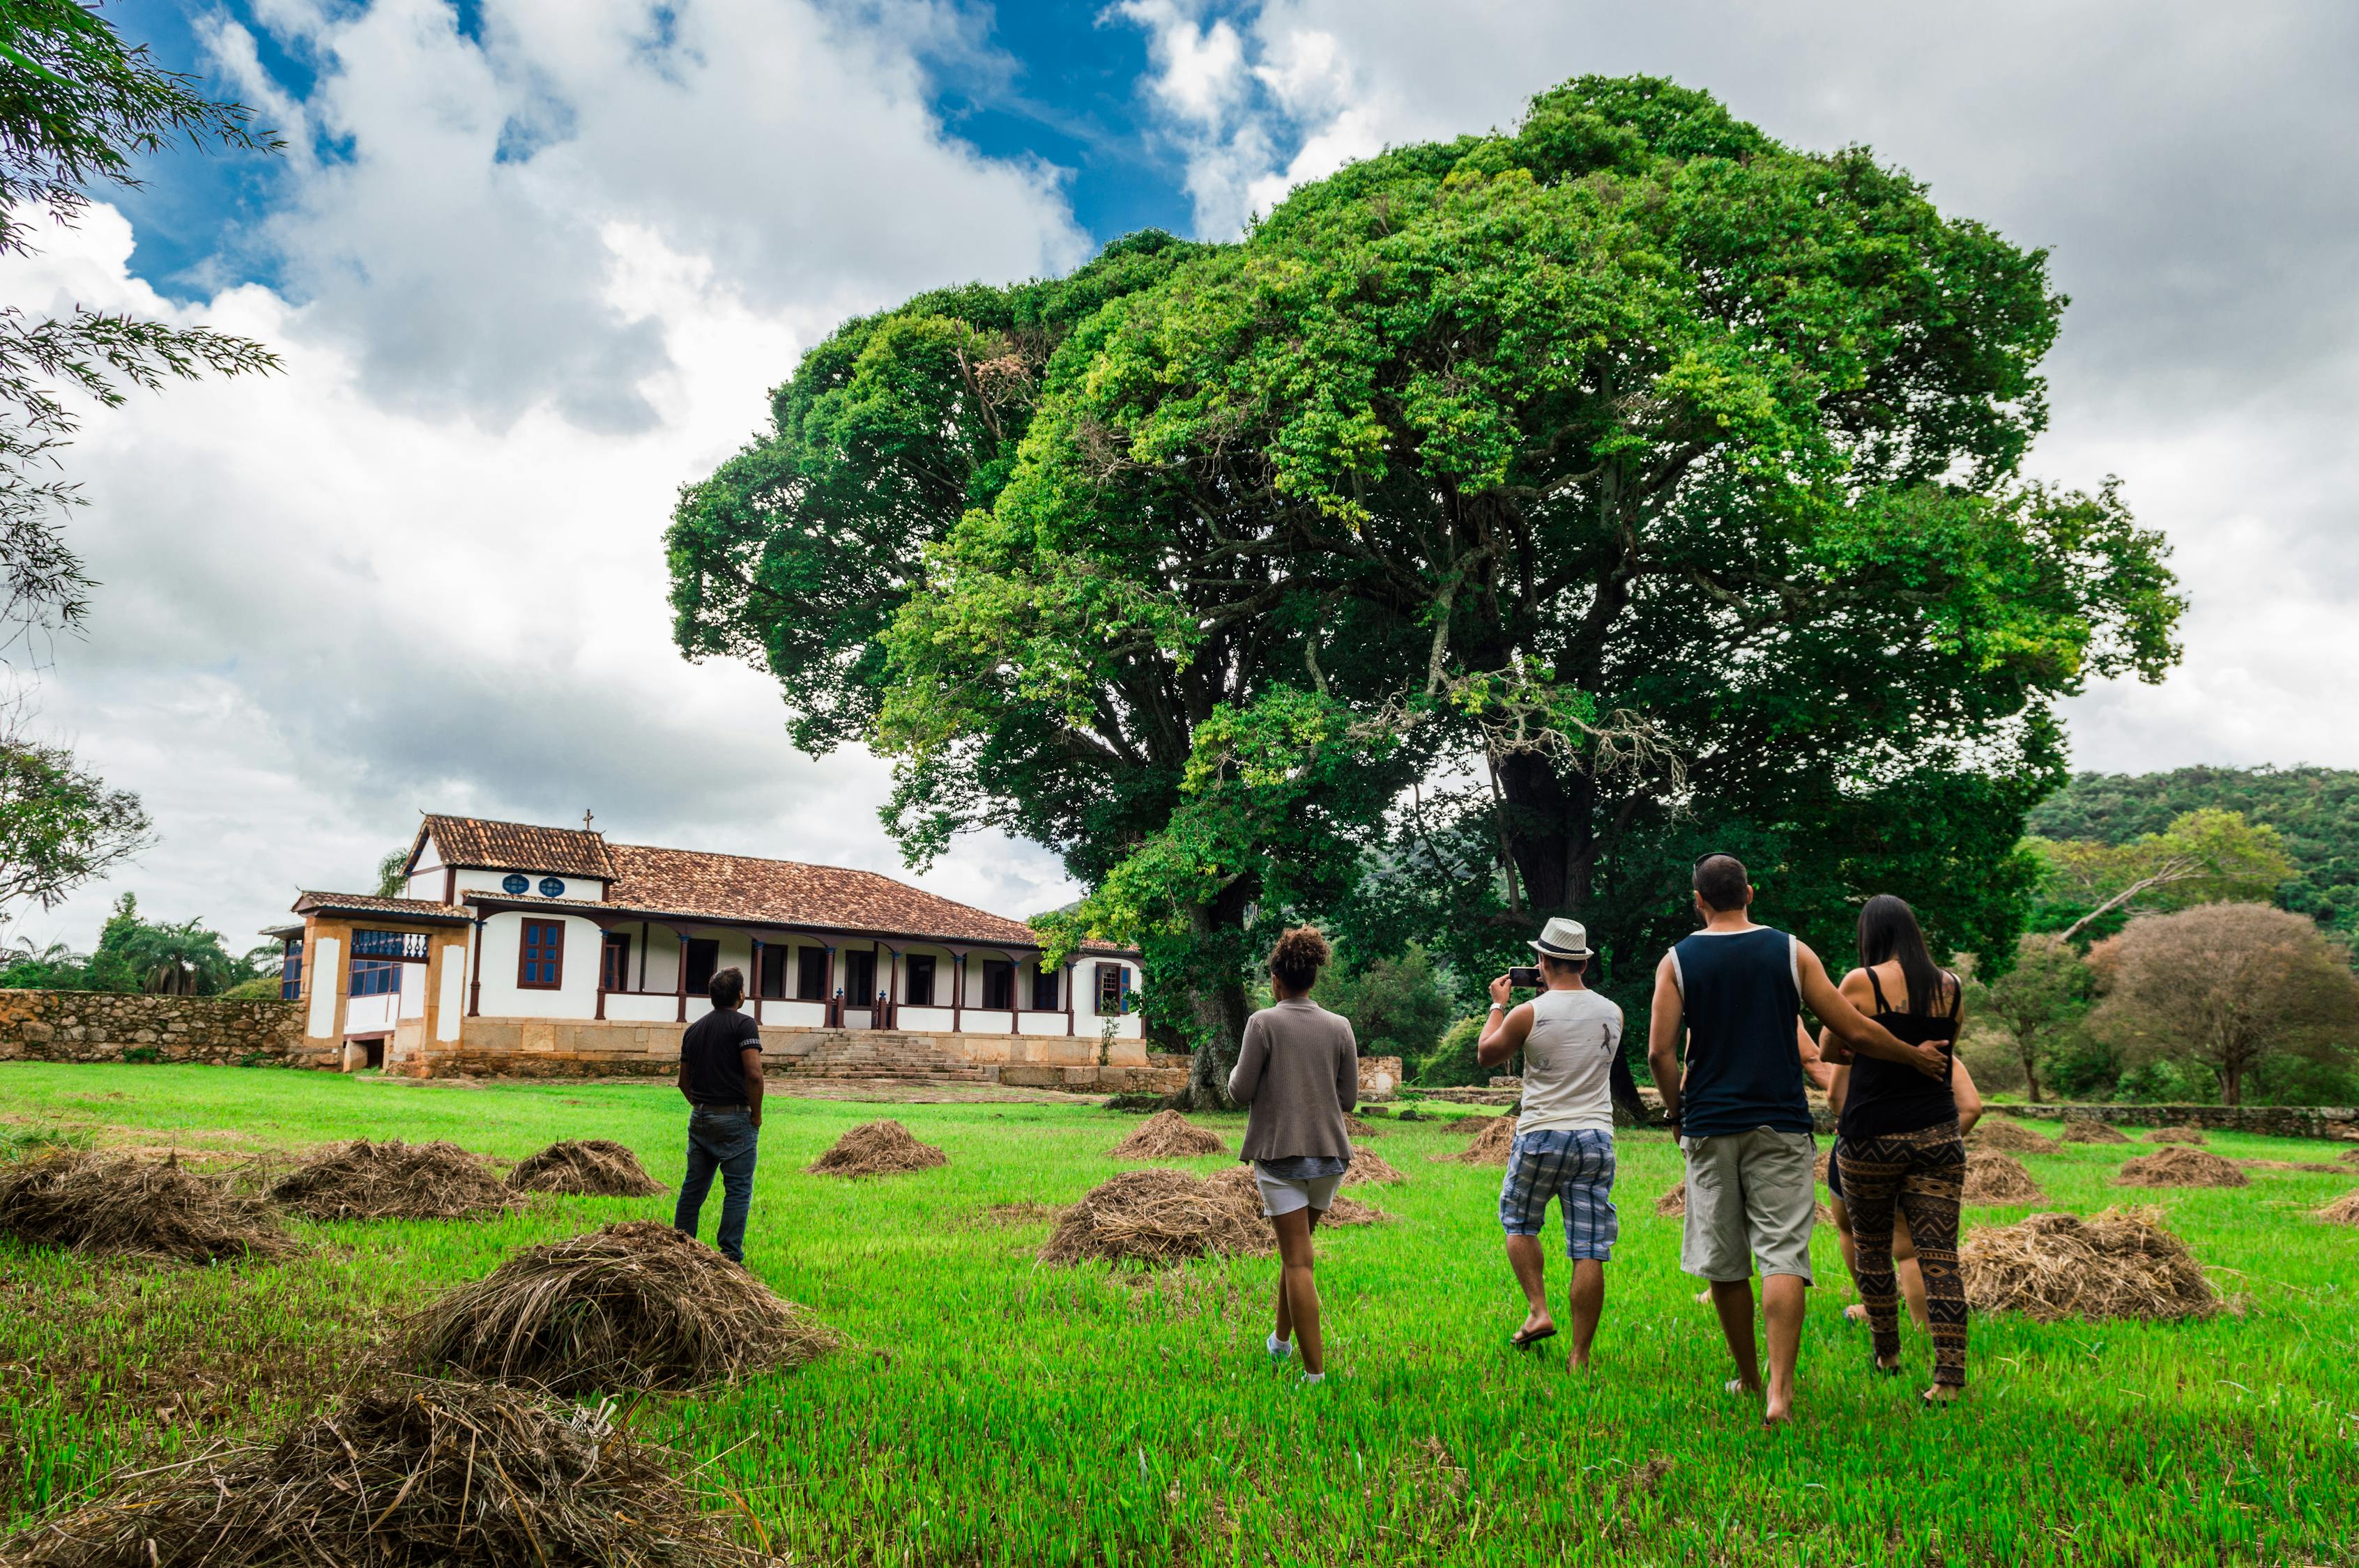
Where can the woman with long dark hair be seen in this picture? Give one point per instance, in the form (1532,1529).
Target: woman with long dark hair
(1298,1069)
(1897,1141)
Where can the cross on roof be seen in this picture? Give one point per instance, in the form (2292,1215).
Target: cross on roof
(585,820)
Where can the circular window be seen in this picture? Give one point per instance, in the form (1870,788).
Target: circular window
(551,888)
(515,883)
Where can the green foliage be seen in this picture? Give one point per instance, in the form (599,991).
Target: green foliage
(392,879)
(1658,479)
(1451,1062)
(1398,1006)
(2314,811)
(59,825)
(2205,856)
(257,988)
(78,108)
(2041,1001)
(135,954)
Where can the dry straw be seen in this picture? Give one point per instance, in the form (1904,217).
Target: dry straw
(2343,1210)
(631,1306)
(155,1209)
(1157,1215)
(2086,1130)
(1491,1146)
(1368,1166)
(2009,1138)
(1998,1179)
(585,1167)
(406,1472)
(2176,1135)
(2181,1168)
(877,1149)
(2349,1157)
(2118,1264)
(393,1180)
(1358,1129)
(1672,1204)
(1236,1185)
(1167,1135)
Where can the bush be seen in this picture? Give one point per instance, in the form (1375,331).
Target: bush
(1452,1061)
(1396,1006)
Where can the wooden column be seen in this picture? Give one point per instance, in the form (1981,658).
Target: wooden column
(679,978)
(958,989)
(892,988)
(757,982)
(475,986)
(601,1014)
(1069,998)
(834,992)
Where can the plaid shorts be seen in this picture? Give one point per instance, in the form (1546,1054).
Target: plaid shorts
(1575,1166)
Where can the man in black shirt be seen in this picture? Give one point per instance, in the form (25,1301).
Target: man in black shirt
(721,1075)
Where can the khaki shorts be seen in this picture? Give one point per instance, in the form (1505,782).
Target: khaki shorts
(1752,1198)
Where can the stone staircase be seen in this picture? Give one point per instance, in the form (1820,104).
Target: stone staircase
(875,1053)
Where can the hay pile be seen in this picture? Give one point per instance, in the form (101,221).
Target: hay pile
(1673,1205)
(2349,1157)
(154,1208)
(2118,1264)
(1367,1166)
(1236,1185)
(1998,1179)
(2083,1129)
(2181,1168)
(2343,1210)
(1491,1146)
(587,1167)
(1157,1216)
(2176,1135)
(2008,1138)
(393,1180)
(1356,1127)
(407,1471)
(878,1149)
(638,1305)
(1167,1135)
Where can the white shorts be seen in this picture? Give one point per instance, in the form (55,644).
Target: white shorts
(1284,1195)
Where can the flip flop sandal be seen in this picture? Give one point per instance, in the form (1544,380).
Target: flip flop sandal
(1523,1341)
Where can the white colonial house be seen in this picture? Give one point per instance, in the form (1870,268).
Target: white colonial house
(525,948)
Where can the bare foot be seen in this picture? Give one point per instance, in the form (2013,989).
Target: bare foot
(1857,1312)
(1704,1296)
(1776,1414)
(1882,1365)
(1942,1394)
(1577,1362)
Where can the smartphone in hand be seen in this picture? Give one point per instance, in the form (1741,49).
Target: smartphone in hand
(1528,977)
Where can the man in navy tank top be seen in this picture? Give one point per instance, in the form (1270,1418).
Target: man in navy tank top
(1736,990)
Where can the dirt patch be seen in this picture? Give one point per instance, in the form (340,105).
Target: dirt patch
(2311,1166)
(1368,1166)
(2181,1168)
(630,1306)
(1999,1179)
(1491,1146)
(2343,1210)
(2083,1129)
(585,1167)
(393,1180)
(151,1209)
(2348,1157)
(411,1471)
(2003,1137)
(2118,1264)
(2176,1135)
(877,1149)
(1167,1135)
(1157,1215)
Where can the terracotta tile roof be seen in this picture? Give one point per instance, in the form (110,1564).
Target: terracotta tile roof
(483,845)
(369,904)
(740,887)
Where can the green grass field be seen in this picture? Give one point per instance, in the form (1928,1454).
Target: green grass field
(987,1410)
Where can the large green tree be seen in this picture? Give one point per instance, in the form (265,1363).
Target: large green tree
(1498,525)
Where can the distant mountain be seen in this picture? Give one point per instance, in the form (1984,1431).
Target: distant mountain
(2316,810)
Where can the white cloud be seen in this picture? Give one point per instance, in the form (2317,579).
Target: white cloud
(2187,162)
(422,568)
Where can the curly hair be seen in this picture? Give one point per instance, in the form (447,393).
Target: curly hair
(1298,958)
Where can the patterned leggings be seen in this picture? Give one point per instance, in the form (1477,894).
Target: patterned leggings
(1923,1173)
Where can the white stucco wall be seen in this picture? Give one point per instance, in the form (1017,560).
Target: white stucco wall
(578,995)
(323,979)
(451,1010)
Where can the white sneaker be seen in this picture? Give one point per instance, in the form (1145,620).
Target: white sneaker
(1279,1349)
(1312,1379)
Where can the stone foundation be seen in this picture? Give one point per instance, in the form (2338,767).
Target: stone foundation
(106,1026)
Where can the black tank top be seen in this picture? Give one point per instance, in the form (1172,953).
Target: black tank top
(1889,1097)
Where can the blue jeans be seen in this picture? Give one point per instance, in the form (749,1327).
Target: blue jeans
(725,1140)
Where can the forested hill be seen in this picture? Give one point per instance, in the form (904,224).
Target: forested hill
(2316,810)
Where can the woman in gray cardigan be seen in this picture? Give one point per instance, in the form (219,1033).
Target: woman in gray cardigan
(1299,1069)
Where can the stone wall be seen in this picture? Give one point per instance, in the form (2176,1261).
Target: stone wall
(2277,1120)
(105,1026)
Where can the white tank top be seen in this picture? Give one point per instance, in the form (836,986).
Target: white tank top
(1568,1062)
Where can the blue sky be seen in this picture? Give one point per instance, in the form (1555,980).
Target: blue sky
(534,264)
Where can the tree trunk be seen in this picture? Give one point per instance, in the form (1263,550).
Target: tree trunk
(2030,1075)
(1548,831)
(1220,1012)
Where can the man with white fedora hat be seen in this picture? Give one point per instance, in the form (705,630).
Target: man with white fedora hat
(1571,1042)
